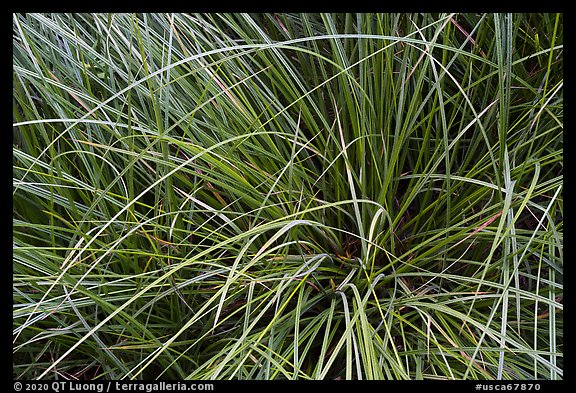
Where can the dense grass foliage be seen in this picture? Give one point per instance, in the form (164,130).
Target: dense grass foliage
(281,196)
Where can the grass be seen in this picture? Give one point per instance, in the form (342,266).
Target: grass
(287,196)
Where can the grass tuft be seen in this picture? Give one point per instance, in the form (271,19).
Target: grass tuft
(287,196)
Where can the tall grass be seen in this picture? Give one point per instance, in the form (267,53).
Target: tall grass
(282,196)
